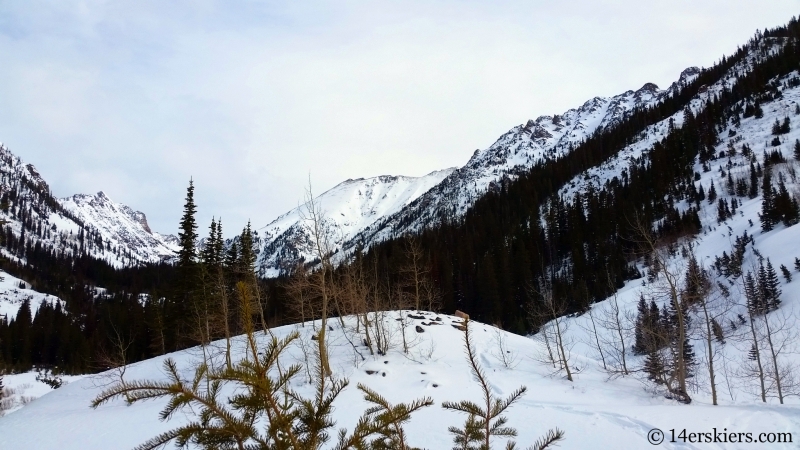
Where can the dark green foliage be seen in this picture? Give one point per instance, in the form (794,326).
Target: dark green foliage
(786,274)
(781,127)
(50,379)
(768,214)
(712,194)
(486,420)
(187,236)
(763,291)
(797,264)
(757,111)
(770,287)
(752,354)
(797,148)
(731,266)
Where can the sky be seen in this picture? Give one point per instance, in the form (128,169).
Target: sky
(255,99)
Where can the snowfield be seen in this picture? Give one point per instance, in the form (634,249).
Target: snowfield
(595,412)
(12,295)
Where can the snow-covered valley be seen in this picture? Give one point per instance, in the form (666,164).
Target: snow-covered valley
(593,410)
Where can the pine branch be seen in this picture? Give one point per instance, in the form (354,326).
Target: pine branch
(549,440)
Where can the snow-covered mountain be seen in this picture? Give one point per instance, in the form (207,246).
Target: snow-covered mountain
(93,225)
(367,211)
(121,224)
(348,208)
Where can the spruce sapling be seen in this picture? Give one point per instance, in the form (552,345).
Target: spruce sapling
(486,420)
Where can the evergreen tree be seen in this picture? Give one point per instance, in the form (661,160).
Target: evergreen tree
(752,355)
(797,149)
(772,290)
(689,358)
(753,296)
(767,215)
(786,274)
(654,366)
(642,318)
(797,264)
(753,192)
(187,237)
(185,301)
(712,194)
(784,206)
(247,252)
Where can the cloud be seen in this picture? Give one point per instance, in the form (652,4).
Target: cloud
(249,98)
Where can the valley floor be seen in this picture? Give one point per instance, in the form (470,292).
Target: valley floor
(595,412)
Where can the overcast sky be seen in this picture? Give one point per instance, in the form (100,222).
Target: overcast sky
(250,98)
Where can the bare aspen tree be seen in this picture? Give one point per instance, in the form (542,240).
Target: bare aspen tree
(618,325)
(298,288)
(594,339)
(552,310)
(415,270)
(320,247)
(115,358)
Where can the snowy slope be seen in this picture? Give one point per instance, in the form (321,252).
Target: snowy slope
(595,412)
(14,291)
(448,194)
(348,208)
(93,225)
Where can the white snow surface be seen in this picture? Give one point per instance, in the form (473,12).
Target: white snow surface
(20,389)
(595,412)
(12,295)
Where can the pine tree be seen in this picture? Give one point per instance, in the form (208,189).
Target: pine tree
(730,185)
(797,149)
(786,274)
(752,355)
(712,194)
(183,301)
(642,319)
(753,191)
(654,366)
(485,420)
(689,359)
(753,295)
(776,128)
(772,288)
(797,264)
(767,215)
(187,237)
(247,253)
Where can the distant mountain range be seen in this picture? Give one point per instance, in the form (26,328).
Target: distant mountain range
(360,213)
(89,224)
